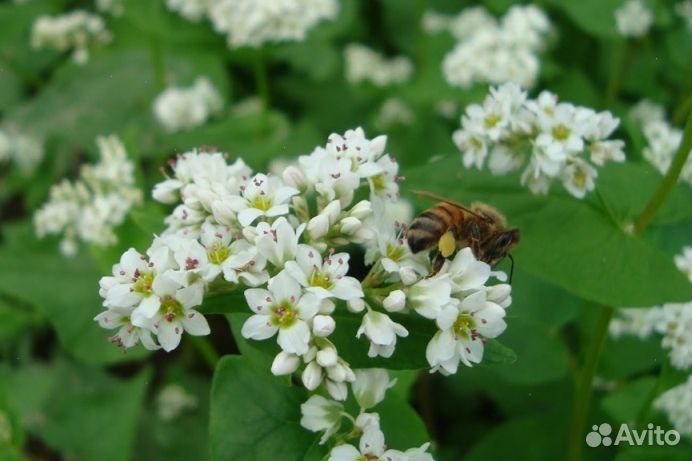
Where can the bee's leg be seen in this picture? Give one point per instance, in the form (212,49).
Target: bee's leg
(437,263)
(475,240)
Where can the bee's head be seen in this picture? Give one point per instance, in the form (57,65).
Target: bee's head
(500,246)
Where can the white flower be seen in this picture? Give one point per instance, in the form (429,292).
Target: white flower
(25,151)
(112,7)
(285,363)
(496,52)
(633,18)
(557,136)
(178,108)
(323,325)
(634,321)
(675,324)
(324,278)
(278,242)
(370,386)
(466,272)
(428,296)
(676,403)
(261,195)
(76,31)
(366,65)
(320,414)
(684,262)
(382,332)
(646,111)
(463,329)
(90,208)
(173,400)
(285,309)
(394,112)
(192,10)
(663,142)
(254,22)
(128,335)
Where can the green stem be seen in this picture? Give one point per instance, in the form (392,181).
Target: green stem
(157,66)
(617,70)
(584,388)
(669,180)
(205,350)
(261,81)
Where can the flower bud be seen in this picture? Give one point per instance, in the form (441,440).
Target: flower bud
(395,301)
(323,325)
(332,211)
(377,145)
(408,275)
(312,376)
(336,373)
(249,233)
(167,191)
(327,306)
(222,211)
(293,177)
(318,226)
(370,386)
(500,294)
(361,210)
(285,364)
(355,305)
(327,357)
(350,225)
(368,419)
(337,390)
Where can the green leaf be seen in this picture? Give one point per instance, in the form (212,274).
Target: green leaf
(597,17)
(92,415)
(254,416)
(625,404)
(571,243)
(64,290)
(402,426)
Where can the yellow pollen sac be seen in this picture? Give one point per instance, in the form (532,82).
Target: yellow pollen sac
(447,244)
(218,253)
(463,325)
(171,307)
(261,202)
(143,283)
(579,179)
(318,279)
(284,315)
(561,132)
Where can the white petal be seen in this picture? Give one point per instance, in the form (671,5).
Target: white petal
(283,194)
(195,323)
(248,215)
(169,334)
(347,288)
(121,295)
(447,317)
(284,288)
(258,327)
(296,272)
(190,296)
(277,210)
(149,306)
(344,452)
(307,306)
(294,339)
(258,300)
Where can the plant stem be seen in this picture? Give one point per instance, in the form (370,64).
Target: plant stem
(584,388)
(669,180)
(157,67)
(205,350)
(617,70)
(261,81)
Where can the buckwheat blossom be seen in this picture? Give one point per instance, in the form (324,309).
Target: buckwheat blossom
(90,208)
(633,19)
(173,400)
(21,149)
(683,261)
(493,51)
(321,415)
(112,7)
(684,10)
(261,195)
(676,403)
(663,141)
(646,111)
(564,142)
(254,22)
(178,108)
(192,10)
(324,278)
(382,332)
(370,386)
(75,31)
(366,65)
(394,112)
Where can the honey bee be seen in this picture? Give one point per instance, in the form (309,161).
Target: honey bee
(450,225)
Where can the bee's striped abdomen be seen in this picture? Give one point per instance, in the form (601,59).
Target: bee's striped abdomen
(426,229)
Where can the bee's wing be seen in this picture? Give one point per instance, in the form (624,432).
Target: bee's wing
(439,198)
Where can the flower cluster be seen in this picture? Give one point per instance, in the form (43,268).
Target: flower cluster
(183,108)
(112,7)
(22,150)
(75,31)
(254,22)
(674,323)
(173,400)
(323,415)
(684,10)
(663,140)
(365,65)
(394,111)
(278,238)
(676,403)
(633,19)
(492,51)
(556,136)
(90,208)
